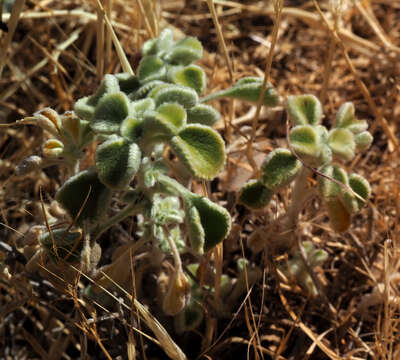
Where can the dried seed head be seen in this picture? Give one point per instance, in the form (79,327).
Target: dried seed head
(178,294)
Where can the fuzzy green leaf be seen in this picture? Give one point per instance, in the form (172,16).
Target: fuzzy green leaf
(144,90)
(151,68)
(255,195)
(215,220)
(190,318)
(61,244)
(184,96)
(165,41)
(279,168)
(361,187)
(201,149)
(173,113)
(331,194)
(162,43)
(166,210)
(117,161)
(185,51)
(305,141)
(363,140)
(328,188)
(111,110)
(203,114)
(192,76)
(248,89)
(304,109)
(75,190)
(149,47)
(132,126)
(83,109)
(196,231)
(341,141)
(165,122)
(127,83)
(109,85)
(345,118)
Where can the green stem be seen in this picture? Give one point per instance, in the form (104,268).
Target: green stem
(214,96)
(174,249)
(280,234)
(127,211)
(169,185)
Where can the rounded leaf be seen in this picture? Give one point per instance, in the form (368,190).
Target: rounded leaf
(149,47)
(255,195)
(184,96)
(345,118)
(304,109)
(190,318)
(363,140)
(201,150)
(203,114)
(139,107)
(117,161)
(111,110)
(215,220)
(192,76)
(279,168)
(162,43)
(165,122)
(341,141)
(108,85)
(83,109)
(196,231)
(305,141)
(249,89)
(151,67)
(328,188)
(345,115)
(145,89)
(185,51)
(132,126)
(87,191)
(173,113)
(127,83)
(361,187)
(61,244)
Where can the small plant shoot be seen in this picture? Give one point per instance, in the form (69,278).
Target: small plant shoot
(148,130)
(312,146)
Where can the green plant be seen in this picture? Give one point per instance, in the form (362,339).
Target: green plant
(312,149)
(296,267)
(148,130)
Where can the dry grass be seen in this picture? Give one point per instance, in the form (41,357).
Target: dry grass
(344,52)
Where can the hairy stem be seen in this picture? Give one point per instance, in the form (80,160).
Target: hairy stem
(298,196)
(175,252)
(128,210)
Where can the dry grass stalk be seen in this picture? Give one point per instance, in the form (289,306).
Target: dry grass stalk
(12,25)
(278,7)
